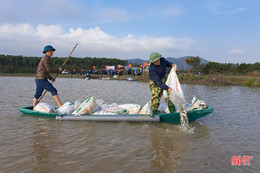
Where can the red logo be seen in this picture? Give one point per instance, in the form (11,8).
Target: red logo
(238,160)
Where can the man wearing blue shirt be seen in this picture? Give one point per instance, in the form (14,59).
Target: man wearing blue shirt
(157,76)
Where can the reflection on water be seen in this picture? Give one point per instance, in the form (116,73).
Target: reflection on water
(33,144)
(166,153)
(43,146)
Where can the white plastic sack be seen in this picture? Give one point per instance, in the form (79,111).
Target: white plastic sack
(86,108)
(173,81)
(97,107)
(178,101)
(176,96)
(113,108)
(101,112)
(163,108)
(106,106)
(44,107)
(100,102)
(197,104)
(132,108)
(66,108)
(77,104)
(146,109)
(117,110)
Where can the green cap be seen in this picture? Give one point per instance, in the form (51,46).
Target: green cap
(48,47)
(154,57)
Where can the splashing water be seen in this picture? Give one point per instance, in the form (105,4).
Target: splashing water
(186,129)
(178,100)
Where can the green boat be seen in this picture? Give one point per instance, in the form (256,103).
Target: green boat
(163,117)
(29,111)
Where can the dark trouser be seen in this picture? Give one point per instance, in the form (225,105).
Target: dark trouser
(42,84)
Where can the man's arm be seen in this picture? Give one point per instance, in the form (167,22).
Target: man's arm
(156,79)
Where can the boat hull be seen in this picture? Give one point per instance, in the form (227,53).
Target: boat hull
(29,111)
(164,117)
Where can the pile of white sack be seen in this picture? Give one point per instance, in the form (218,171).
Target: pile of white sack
(100,107)
(196,104)
(95,107)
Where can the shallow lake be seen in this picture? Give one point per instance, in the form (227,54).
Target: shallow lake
(33,144)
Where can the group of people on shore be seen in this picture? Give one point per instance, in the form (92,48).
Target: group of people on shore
(120,72)
(157,76)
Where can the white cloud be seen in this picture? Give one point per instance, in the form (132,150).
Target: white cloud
(20,29)
(171,12)
(15,11)
(80,13)
(225,7)
(236,51)
(257,51)
(48,31)
(27,40)
(111,15)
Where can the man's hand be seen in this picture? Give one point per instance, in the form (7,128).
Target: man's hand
(169,90)
(53,79)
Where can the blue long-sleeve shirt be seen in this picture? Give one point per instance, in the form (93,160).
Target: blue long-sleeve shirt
(156,73)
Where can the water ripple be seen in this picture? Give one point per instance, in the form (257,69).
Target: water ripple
(33,144)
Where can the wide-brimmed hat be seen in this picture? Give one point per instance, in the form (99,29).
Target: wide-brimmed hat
(48,47)
(154,57)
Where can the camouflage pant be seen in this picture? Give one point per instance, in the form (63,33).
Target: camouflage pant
(156,94)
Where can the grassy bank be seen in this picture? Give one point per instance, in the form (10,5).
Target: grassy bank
(217,80)
(33,75)
(18,74)
(250,80)
(220,80)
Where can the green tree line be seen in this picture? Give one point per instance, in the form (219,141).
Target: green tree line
(215,68)
(228,68)
(21,64)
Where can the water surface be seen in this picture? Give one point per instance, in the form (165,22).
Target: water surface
(33,144)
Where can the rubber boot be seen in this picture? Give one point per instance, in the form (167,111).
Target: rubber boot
(171,107)
(154,112)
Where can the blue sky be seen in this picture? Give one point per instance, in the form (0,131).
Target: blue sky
(217,30)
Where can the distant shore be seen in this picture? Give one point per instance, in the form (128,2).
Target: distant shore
(215,80)
(251,80)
